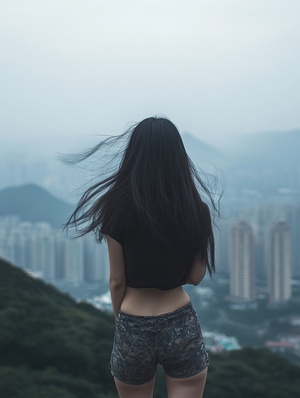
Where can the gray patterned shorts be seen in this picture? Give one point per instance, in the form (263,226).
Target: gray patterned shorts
(141,342)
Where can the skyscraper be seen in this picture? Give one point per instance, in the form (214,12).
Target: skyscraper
(280,263)
(73,255)
(95,260)
(241,263)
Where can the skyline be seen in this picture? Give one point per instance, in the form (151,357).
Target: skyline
(85,68)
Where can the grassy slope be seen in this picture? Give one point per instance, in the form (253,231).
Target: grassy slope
(49,342)
(51,346)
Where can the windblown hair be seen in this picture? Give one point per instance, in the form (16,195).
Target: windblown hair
(156,183)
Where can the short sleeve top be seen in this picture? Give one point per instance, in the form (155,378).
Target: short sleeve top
(149,264)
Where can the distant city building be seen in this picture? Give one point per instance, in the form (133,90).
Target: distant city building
(48,253)
(280,263)
(286,343)
(241,263)
(42,250)
(295,230)
(219,342)
(95,260)
(60,272)
(73,255)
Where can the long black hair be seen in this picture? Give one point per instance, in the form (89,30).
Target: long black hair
(157,183)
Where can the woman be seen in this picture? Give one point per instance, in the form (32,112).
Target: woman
(159,237)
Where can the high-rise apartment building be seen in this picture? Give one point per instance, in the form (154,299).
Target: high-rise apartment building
(73,255)
(295,231)
(42,251)
(280,263)
(51,255)
(95,260)
(241,263)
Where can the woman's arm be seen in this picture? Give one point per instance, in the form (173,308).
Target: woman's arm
(197,273)
(117,279)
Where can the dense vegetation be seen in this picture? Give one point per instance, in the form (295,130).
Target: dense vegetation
(53,347)
(50,346)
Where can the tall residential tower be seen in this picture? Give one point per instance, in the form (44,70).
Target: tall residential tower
(242,272)
(280,263)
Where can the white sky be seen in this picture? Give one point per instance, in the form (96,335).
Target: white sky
(214,67)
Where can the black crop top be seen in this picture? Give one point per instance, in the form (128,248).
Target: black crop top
(148,264)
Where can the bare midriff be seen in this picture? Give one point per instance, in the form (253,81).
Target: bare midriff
(152,302)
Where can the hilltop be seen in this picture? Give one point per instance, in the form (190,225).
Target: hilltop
(32,203)
(50,345)
(54,347)
(202,154)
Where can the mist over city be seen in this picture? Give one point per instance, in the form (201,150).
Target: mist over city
(227,75)
(256,236)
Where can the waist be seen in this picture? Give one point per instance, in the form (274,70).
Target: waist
(153,302)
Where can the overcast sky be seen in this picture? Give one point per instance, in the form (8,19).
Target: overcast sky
(214,67)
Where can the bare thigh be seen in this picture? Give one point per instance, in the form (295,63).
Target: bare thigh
(188,387)
(135,391)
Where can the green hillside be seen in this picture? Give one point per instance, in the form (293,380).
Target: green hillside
(53,347)
(50,346)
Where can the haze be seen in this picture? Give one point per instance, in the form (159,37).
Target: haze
(216,68)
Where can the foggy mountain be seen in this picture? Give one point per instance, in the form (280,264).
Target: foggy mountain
(266,163)
(202,153)
(278,148)
(33,203)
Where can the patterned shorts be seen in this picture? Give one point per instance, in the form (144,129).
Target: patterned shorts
(141,342)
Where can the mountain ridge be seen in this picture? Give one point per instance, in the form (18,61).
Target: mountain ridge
(267,159)
(202,153)
(33,203)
